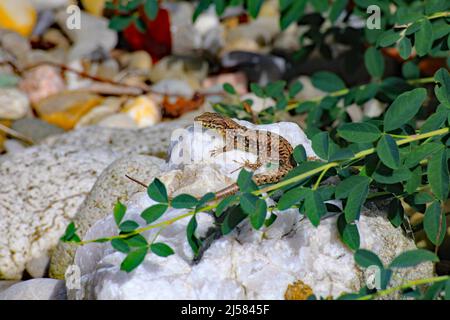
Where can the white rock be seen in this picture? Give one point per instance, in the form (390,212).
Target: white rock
(195,145)
(37,267)
(36,289)
(13,146)
(86,41)
(241,265)
(14,104)
(173,87)
(49,4)
(120,121)
(43,186)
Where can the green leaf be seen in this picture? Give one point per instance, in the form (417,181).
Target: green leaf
(224,204)
(404,48)
(422,152)
(438,175)
(140,25)
(350,185)
(119,212)
(320,5)
(414,181)
(349,233)
(327,81)
(290,198)
(323,146)
(434,122)
(424,38)
(229,89)
(359,132)
(374,62)
(366,258)
(396,213)
(315,207)
(300,154)
(404,108)
(157,191)
(434,223)
(293,13)
(204,200)
(391,176)
(151,9)
(120,245)
(128,226)
(254,6)
(388,38)
(336,9)
(410,70)
(355,201)
(442,90)
(235,216)
(275,89)
(161,249)
(388,152)
(248,203)
(245,181)
(447,290)
(257,90)
(136,241)
(70,234)
(184,201)
(154,212)
(258,216)
(413,258)
(220,6)
(295,88)
(193,241)
(119,23)
(133,259)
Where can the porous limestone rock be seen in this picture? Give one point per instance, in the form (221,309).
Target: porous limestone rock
(153,140)
(43,186)
(36,289)
(111,186)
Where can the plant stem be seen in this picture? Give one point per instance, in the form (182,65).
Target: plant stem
(345,91)
(406,285)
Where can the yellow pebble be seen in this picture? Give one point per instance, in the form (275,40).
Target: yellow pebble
(94,7)
(143,111)
(17,15)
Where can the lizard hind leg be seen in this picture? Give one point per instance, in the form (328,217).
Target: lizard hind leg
(248,165)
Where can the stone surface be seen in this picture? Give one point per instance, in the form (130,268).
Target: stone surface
(43,186)
(14,104)
(111,186)
(41,82)
(86,43)
(241,265)
(38,267)
(36,289)
(36,129)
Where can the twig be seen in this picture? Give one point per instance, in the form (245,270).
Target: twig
(137,181)
(16,134)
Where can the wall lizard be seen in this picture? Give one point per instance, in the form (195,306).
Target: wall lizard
(267,146)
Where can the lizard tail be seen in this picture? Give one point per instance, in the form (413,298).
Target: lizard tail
(228,191)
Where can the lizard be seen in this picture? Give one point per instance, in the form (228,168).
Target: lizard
(267,146)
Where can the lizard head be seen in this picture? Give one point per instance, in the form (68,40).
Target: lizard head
(213,120)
